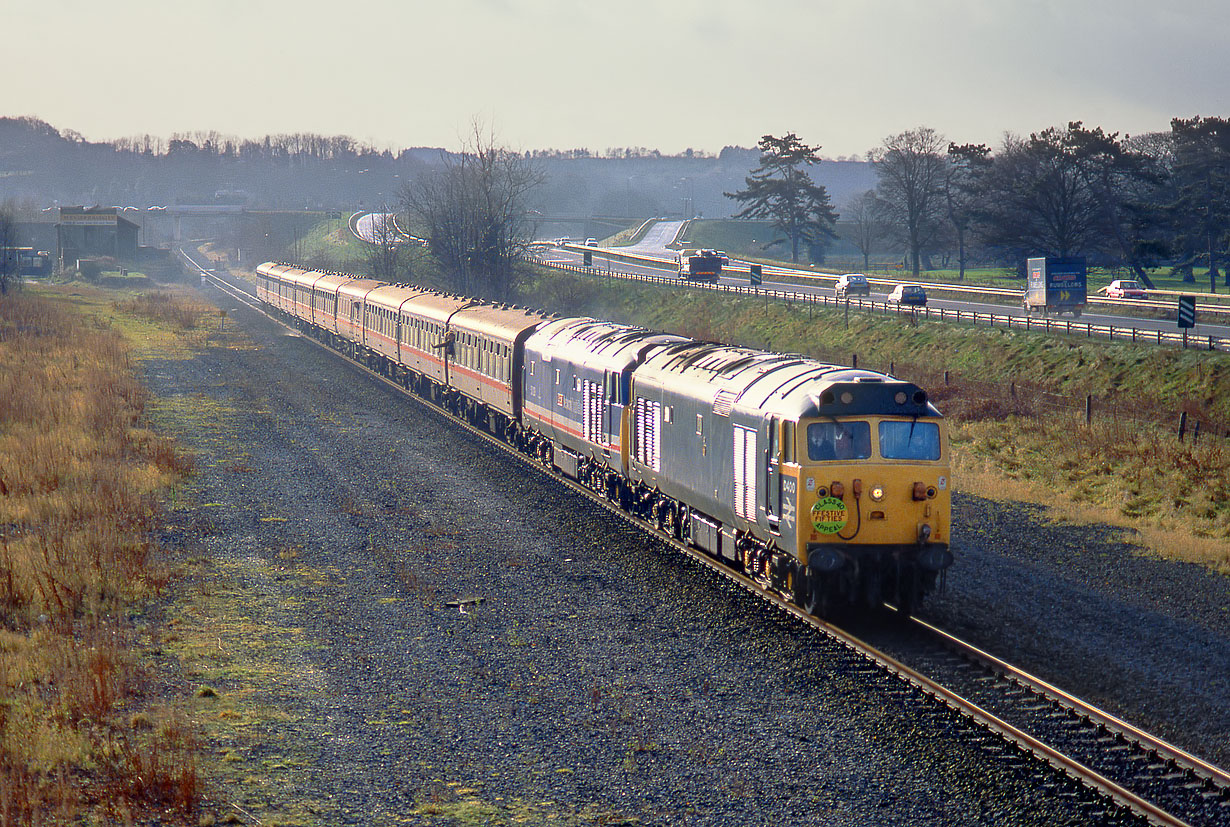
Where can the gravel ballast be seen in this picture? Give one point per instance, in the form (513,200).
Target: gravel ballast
(413,628)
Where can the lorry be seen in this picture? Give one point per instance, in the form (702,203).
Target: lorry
(1055,285)
(699,265)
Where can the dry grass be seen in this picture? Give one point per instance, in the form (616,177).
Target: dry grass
(161,306)
(1174,495)
(79,481)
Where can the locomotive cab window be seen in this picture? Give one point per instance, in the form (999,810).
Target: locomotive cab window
(838,440)
(910,440)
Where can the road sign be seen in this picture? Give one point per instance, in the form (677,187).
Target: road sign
(754,273)
(1187,311)
(588,258)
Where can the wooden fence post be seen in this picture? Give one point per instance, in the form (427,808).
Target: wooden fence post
(1182,425)
(1088,410)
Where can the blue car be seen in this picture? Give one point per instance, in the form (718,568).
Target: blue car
(908,294)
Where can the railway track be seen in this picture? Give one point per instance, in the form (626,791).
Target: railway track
(1126,774)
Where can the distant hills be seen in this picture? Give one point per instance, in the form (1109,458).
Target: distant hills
(42,166)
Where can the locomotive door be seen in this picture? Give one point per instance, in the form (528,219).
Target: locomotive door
(611,412)
(773,476)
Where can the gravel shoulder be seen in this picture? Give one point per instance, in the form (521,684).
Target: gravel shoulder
(387,622)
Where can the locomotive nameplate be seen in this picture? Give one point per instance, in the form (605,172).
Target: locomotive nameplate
(829,515)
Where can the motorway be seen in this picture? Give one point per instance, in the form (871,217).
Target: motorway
(1106,314)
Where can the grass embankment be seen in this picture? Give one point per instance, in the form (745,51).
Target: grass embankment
(1015,401)
(80,480)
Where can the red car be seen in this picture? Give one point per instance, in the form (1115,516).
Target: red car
(1125,289)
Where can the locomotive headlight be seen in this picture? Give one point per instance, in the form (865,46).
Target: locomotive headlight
(877,492)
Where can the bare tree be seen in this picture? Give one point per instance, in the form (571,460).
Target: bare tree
(866,226)
(473,213)
(385,252)
(910,167)
(967,164)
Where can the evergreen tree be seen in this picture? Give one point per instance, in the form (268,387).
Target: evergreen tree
(781,190)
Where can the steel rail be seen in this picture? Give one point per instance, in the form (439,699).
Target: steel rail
(967,709)
(1083,708)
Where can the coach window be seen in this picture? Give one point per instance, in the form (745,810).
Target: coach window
(668,414)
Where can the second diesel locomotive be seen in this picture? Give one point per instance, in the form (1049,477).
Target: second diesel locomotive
(826,483)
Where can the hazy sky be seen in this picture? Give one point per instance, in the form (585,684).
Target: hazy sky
(664,74)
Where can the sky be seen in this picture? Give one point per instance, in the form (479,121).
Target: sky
(660,74)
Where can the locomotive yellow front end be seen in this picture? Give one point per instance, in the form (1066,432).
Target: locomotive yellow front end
(874,508)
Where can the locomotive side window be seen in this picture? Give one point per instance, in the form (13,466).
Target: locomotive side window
(788,454)
(910,440)
(839,440)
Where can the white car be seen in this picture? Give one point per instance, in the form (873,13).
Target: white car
(1125,289)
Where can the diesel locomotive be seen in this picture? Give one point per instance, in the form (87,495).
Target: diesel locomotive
(825,483)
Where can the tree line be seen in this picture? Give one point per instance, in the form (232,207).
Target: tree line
(1161,199)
